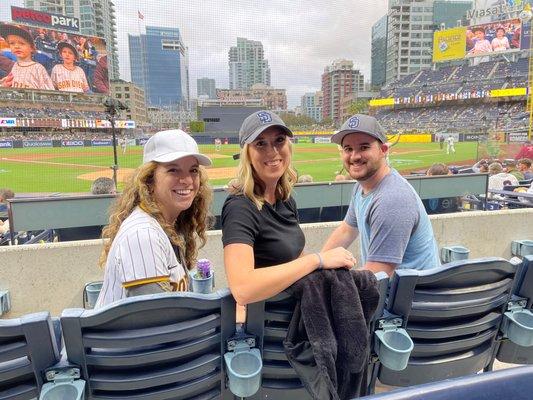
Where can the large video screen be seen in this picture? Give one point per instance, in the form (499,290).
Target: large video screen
(480,40)
(493,37)
(46,59)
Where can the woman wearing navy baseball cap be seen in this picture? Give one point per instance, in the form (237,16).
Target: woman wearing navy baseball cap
(155,223)
(263,242)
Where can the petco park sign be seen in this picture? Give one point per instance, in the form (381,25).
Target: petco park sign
(32,17)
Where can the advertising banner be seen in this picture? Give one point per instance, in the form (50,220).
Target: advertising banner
(6,144)
(46,59)
(36,143)
(142,141)
(39,18)
(8,122)
(72,143)
(449,44)
(101,142)
(485,11)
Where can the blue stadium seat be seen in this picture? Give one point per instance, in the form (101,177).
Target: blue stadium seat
(512,383)
(164,346)
(453,315)
(269,321)
(28,346)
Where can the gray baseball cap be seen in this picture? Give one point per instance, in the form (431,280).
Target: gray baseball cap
(256,123)
(360,123)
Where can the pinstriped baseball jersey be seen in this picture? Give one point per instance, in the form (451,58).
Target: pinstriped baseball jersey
(141,253)
(69,80)
(31,75)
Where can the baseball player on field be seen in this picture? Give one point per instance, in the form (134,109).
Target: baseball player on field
(68,77)
(25,73)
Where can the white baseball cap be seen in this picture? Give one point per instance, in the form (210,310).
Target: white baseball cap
(166,146)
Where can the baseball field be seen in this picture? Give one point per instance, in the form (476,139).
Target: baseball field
(67,170)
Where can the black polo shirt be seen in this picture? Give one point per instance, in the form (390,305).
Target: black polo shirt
(273,232)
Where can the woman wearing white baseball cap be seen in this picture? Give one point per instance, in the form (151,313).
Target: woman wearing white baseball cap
(155,223)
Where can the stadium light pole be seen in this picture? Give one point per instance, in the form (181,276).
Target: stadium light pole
(112,107)
(525,16)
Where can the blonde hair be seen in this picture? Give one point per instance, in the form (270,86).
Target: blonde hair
(190,225)
(251,186)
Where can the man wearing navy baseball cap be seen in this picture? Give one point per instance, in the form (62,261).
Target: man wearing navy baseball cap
(385,211)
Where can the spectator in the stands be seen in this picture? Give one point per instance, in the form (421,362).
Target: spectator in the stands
(498,178)
(103,185)
(340,178)
(438,169)
(5,194)
(510,168)
(305,179)
(524,166)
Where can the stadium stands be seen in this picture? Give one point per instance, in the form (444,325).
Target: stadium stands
(468,84)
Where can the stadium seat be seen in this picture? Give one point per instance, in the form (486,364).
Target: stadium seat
(508,351)
(163,346)
(512,383)
(28,346)
(453,315)
(269,321)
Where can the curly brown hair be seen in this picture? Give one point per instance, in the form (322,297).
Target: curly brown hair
(189,228)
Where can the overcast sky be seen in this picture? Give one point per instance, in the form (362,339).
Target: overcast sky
(300,37)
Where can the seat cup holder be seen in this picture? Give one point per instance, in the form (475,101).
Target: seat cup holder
(64,384)
(453,253)
(519,327)
(522,248)
(244,365)
(393,347)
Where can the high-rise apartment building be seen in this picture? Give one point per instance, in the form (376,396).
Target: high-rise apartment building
(409,37)
(311,105)
(206,87)
(49,6)
(247,65)
(339,80)
(159,64)
(97,18)
(379,52)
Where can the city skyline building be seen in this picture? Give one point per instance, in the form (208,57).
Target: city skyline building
(339,80)
(159,65)
(270,98)
(378,59)
(133,97)
(409,37)
(311,105)
(247,65)
(206,87)
(97,18)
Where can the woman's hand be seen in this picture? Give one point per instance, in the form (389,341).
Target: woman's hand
(338,257)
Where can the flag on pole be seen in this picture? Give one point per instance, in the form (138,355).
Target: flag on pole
(140,14)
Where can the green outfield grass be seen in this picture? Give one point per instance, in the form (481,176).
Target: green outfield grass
(32,170)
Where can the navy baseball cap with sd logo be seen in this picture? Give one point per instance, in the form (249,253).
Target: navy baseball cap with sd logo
(258,122)
(360,123)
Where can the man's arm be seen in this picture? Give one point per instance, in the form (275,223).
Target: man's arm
(343,236)
(375,267)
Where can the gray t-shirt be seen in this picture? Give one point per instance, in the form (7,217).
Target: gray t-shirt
(393,225)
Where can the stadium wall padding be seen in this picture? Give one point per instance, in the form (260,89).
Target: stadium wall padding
(54,274)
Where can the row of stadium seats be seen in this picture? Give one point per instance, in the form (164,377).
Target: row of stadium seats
(429,325)
(509,116)
(462,74)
